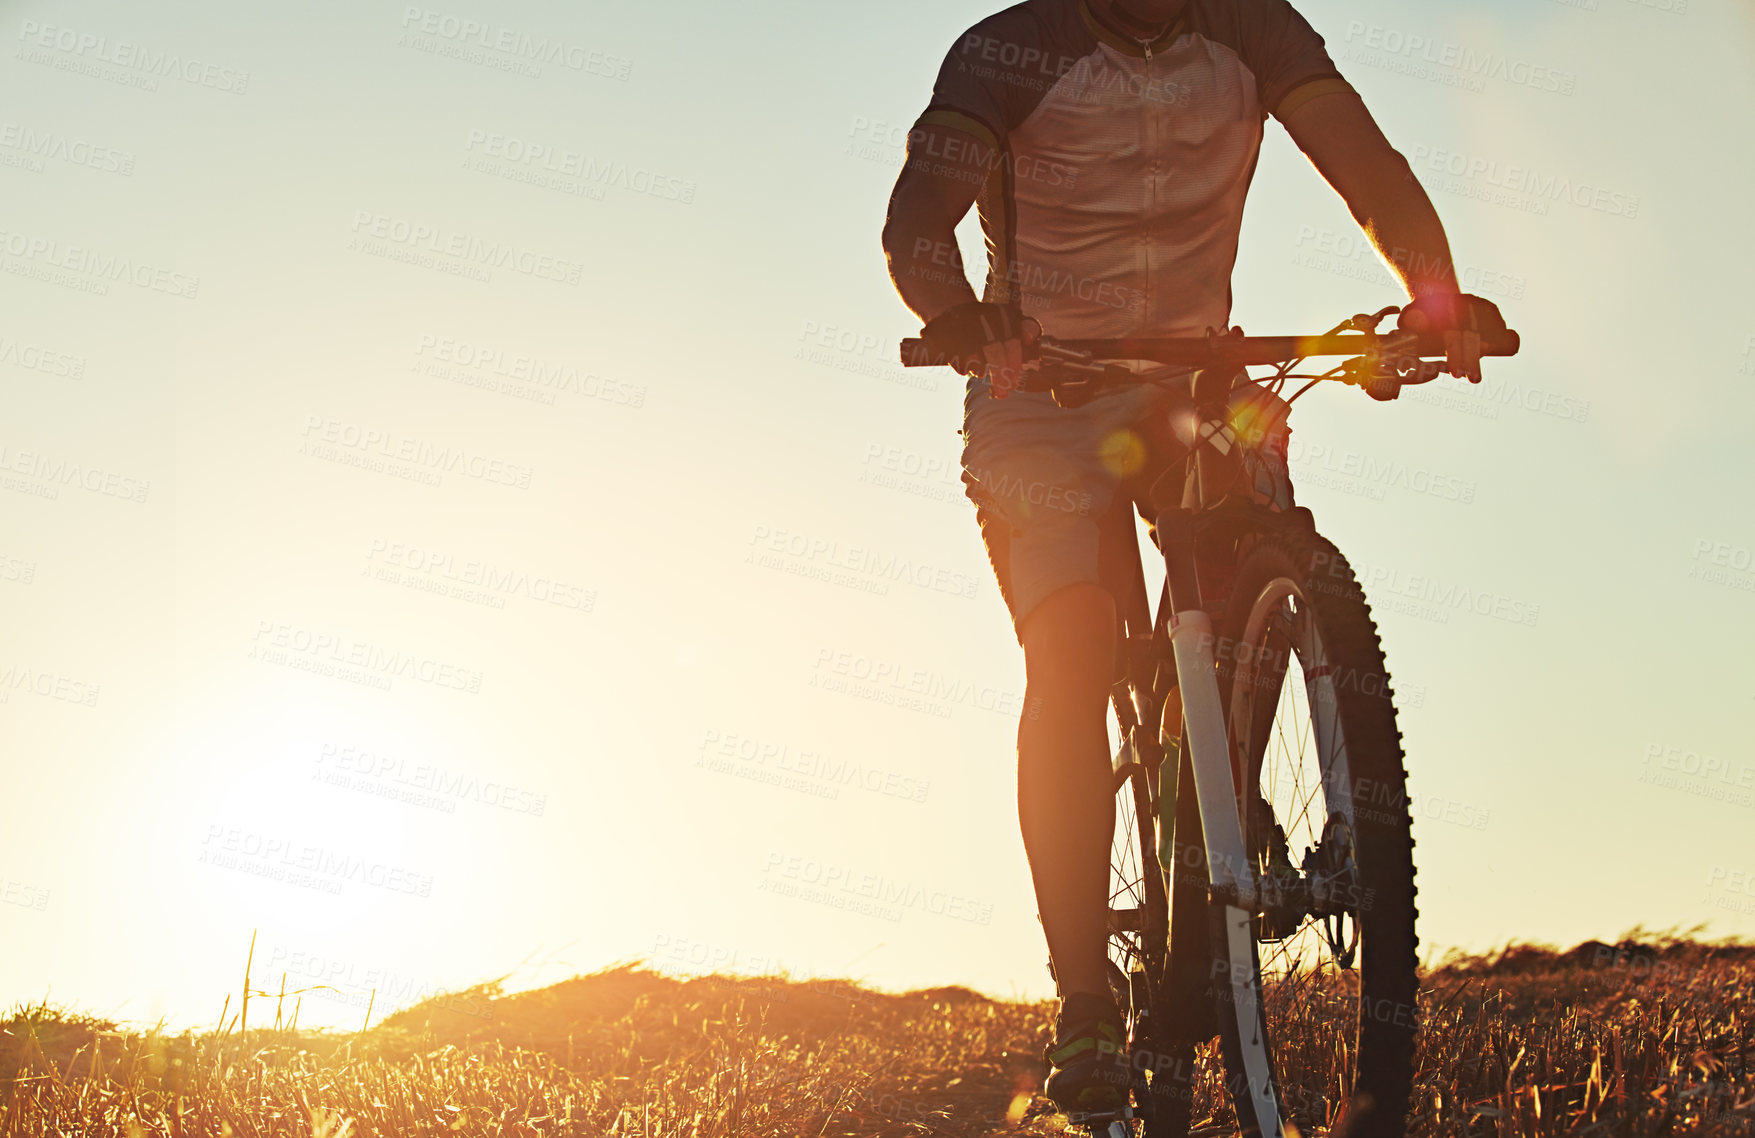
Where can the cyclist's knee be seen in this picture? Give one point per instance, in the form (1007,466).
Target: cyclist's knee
(1069,643)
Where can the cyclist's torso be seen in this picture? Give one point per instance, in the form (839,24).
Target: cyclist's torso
(1115,205)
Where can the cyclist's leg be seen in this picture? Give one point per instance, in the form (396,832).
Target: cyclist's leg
(1066,801)
(1045,480)
(1065,795)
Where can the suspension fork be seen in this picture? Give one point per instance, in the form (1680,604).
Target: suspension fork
(1230,879)
(1229,876)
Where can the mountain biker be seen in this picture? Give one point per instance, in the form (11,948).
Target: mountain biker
(1110,145)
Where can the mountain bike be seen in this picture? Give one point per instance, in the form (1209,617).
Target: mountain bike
(1262,878)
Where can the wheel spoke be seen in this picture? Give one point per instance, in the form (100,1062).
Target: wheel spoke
(1295,734)
(1129,863)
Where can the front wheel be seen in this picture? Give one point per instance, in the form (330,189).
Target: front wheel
(1321,791)
(1137,944)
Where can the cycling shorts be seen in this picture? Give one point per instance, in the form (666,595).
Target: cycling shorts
(1055,488)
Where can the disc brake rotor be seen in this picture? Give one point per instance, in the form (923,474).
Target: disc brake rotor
(1286,895)
(1334,879)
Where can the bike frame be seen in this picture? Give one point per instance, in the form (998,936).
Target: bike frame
(1229,877)
(1381,365)
(1184,622)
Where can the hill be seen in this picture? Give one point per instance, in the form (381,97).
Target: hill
(1646,1037)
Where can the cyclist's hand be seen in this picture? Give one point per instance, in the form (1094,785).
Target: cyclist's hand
(1005,361)
(984,339)
(1461,317)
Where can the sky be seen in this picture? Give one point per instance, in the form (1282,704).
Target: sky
(439,489)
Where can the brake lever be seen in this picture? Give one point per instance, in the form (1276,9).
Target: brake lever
(1073,378)
(1400,352)
(1071,394)
(1047,351)
(1384,372)
(1074,385)
(1384,388)
(1364,322)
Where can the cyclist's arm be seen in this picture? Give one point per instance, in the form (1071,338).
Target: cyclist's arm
(940,179)
(1348,149)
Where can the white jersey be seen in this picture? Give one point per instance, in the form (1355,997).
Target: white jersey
(1119,167)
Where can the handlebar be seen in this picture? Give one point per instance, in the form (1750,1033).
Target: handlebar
(1217,351)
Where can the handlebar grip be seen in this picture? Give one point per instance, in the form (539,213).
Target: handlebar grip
(1501,343)
(915,353)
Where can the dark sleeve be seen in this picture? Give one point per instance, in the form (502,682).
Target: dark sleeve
(1290,63)
(993,76)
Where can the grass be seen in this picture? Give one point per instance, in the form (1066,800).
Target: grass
(1650,1037)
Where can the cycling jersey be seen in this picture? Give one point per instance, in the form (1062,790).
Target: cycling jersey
(1118,169)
